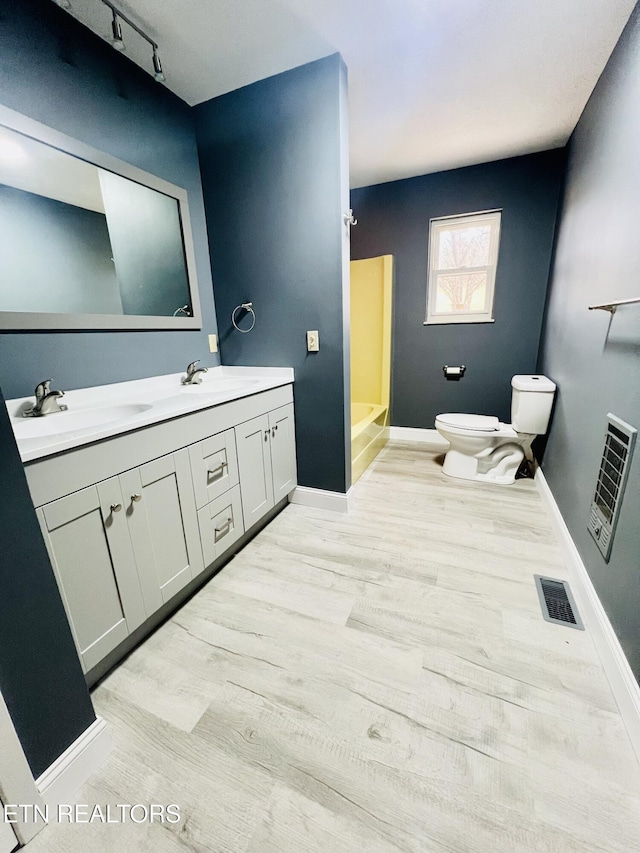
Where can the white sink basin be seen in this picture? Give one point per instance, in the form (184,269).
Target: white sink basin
(61,423)
(105,411)
(219,386)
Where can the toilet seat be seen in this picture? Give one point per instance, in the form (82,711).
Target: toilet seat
(474,423)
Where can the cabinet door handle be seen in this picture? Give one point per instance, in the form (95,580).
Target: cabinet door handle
(115,507)
(224,526)
(273,431)
(136,498)
(266,435)
(213,472)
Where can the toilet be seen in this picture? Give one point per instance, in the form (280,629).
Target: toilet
(483,448)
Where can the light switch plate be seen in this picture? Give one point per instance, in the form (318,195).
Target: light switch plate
(213,343)
(313,341)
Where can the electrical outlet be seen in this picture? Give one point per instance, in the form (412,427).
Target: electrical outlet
(213,343)
(313,341)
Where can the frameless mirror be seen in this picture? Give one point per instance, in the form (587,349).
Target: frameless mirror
(87,241)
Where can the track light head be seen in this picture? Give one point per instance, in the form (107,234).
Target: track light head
(157,67)
(116,30)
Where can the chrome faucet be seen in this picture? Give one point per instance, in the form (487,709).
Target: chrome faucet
(46,401)
(194,374)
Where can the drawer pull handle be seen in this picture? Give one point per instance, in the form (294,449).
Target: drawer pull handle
(115,507)
(213,472)
(136,498)
(224,526)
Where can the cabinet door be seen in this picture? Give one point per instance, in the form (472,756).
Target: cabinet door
(220,524)
(283,451)
(89,546)
(161,512)
(214,467)
(254,464)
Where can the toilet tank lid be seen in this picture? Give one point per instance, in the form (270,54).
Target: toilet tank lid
(533,382)
(477,423)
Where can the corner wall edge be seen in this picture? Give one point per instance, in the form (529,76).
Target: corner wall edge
(322,498)
(68,773)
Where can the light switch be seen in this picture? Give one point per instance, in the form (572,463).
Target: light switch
(313,341)
(213,343)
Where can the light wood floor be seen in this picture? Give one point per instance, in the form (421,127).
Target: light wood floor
(377,681)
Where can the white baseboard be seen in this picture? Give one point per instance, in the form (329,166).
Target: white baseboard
(67,774)
(616,666)
(321,499)
(429,437)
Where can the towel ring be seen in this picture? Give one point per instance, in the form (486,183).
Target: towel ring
(248,306)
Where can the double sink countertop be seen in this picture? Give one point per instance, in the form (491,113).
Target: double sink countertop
(107,410)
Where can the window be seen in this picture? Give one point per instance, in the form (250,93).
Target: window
(463,256)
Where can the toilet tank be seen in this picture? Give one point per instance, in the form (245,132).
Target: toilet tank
(531,401)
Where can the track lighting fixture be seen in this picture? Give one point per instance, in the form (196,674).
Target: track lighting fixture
(118,42)
(157,67)
(116,29)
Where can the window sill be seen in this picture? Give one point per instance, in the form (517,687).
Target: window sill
(454,321)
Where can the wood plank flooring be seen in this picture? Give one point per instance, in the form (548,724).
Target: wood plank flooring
(379,681)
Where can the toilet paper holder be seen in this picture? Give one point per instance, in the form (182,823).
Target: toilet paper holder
(454,372)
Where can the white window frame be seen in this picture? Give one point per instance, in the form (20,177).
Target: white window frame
(445,223)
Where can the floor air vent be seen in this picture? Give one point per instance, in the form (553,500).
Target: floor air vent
(614,468)
(557,602)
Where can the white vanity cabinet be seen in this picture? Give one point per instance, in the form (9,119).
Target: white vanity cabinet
(266,461)
(283,452)
(163,526)
(131,520)
(121,549)
(92,556)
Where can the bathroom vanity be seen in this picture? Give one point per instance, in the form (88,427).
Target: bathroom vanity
(136,508)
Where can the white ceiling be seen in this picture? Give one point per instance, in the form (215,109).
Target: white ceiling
(433,84)
(37,168)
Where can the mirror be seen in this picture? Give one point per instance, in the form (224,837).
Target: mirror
(87,241)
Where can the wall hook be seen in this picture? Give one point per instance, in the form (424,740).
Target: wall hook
(349,220)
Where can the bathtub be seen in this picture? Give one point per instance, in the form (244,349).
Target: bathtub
(369,434)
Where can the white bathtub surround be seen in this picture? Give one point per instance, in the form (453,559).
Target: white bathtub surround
(107,410)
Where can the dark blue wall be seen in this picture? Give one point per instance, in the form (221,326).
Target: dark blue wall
(40,676)
(54,70)
(393,218)
(594,358)
(273,181)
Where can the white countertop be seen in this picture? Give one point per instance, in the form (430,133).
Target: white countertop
(107,410)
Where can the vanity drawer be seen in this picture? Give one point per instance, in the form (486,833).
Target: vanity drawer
(214,466)
(220,524)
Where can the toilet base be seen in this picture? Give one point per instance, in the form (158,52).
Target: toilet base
(497,465)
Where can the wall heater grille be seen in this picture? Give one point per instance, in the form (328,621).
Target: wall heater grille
(612,477)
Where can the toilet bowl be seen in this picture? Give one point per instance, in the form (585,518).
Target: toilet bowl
(483,448)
